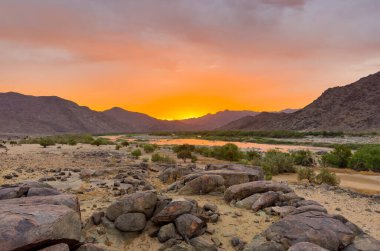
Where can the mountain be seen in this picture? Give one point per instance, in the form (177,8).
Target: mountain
(140,122)
(49,115)
(351,108)
(213,121)
(23,114)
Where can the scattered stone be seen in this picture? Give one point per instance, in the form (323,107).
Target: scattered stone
(189,226)
(202,244)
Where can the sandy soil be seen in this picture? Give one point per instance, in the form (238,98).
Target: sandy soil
(31,162)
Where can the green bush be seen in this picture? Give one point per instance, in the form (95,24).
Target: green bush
(228,152)
(125,143)
(306,173)
(194,159)
(276,162)
(46,142)
(366,158)
(252,155)
(184,147)
(72,142)
(136,153)
(101,141)
(339,157)
(156,157)
(117,147)
(303,158)
(327,177)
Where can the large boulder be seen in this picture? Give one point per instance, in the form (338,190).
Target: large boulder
(189,226)
(248,202)
(255,171)
(57,247)
(70,201)
(28,227)
(42,191)
(241,191)
(140,202)
(131,222)
(167,232)
(232,177)
(364,242)
(315,227)
(203,185)
(202,244)
(174,209)
(11,191)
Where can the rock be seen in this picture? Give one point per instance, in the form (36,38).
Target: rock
(181,247)
(259,243)
(173,173)
(233,177)
(151,229)
(214,218)
(248,202)
(202,244)
(90,247)
(167,232)
(283,211)
(12,192)
(307,203)
(8,176)
(189,226)
(364,242)
(265,200)
(203,185)
(86,173)
(315,227)
(70,201)
(25,227)
(131,222)
(140,202)
(57,247)
(241,191)
(96,217)
(303,209)
(42,192)
(168,244)
(252,170)
(210,207)
(172,211)
(306,246)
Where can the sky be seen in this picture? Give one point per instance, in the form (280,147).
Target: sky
(175,59)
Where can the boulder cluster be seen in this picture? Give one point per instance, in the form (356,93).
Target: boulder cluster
(35,216)
(304,224)
(178,223)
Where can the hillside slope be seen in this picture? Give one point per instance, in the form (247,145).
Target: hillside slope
(351,108)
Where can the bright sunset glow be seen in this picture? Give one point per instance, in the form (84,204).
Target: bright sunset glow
(186,58)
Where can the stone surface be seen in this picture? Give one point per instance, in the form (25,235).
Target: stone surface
(364,242)
(57,247)
(202,244)
(181,247)
(42,192)
(203,185)
(241,191)
(172,211)
(315,227)
(29,226)
(248,202)
(167,232)
(173,173)
(90,247)
(139,202)
(265,200)
(96,217)
(189,226)
(131,222)
(306,246)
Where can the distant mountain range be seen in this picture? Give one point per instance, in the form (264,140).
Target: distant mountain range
(24,114)
(351,108)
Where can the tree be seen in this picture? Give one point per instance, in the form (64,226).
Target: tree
(184,154)
(45,142)
(339,157)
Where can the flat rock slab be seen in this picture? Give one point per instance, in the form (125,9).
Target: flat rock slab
(71,201)
(26,227)
(203,184)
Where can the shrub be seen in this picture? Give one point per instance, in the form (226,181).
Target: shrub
(366,158)
(303,158)
(148,148)
(228,152)
(101,141)
(252,155)
(145,160)
(136,153)
(46,142)
(125,143)
(184,147)
(72,142)
(156,157)
(276,162)
(306,173)
(117,147)
(339,157)
(184,154)
(194,159)
(327,177)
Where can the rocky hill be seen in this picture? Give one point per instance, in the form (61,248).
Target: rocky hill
(351,108)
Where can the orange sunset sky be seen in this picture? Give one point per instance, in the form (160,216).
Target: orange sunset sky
(175,59)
